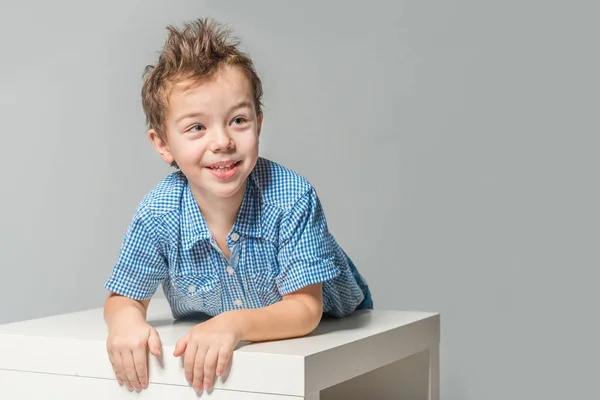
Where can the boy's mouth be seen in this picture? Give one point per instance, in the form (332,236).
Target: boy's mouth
(223,166)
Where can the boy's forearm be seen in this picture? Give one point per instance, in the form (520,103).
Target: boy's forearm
(120,306)
(286,319)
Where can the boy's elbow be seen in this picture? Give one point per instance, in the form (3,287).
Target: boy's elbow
(314,320)
(313,310)
(316,313)
(312,315)
(115,301)
(309,319)
(309,306)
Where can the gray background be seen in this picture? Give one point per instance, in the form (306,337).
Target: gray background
(453,144)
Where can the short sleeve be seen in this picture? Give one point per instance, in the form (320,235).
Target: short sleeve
(140,267)
(306,255)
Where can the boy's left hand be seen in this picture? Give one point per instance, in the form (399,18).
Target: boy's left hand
(207,348)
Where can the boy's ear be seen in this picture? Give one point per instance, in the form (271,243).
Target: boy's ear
(259,121)
(161,146)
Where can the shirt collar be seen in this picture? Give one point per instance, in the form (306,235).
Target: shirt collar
(195,228)
(247,221)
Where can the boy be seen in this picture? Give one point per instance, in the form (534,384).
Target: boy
(230,235)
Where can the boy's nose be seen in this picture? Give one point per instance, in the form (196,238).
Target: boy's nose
(221,141)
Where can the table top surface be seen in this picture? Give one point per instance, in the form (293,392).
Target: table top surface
(89,325)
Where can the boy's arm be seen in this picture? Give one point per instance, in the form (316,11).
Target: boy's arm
(306,259)
(297,314)
(208,347)
(129,338)
(117,305)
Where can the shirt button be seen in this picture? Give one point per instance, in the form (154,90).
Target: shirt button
(191,289)
(230,270)
(238,302)
(235,236)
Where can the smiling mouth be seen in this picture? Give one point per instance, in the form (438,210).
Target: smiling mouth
(224,167)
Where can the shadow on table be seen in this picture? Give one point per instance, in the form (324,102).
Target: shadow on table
(359,319)
(328,324)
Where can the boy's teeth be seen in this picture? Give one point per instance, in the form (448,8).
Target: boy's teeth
(229,166)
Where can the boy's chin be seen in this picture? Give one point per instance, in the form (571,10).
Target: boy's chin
(227,190)
(225,194)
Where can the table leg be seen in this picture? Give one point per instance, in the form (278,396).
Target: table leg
(434,373)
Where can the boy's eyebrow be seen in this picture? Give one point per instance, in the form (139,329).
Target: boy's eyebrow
(241,104)
(190,115)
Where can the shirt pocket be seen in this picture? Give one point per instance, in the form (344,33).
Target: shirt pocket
(200,292)
(264,284)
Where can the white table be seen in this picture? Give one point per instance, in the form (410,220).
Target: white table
(370,355)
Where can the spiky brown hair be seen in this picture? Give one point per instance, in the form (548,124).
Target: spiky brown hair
(195,52)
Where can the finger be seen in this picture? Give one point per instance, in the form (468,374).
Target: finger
(122,373)
(180,346)
(141,365)
(224,358)
(120,368)
(129,366)
(154,343)
(199,369)
(116,366)
(188,362)
(210,365)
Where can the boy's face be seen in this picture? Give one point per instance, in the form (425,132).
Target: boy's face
(212,133)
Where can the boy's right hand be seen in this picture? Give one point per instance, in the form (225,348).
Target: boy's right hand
(127,345)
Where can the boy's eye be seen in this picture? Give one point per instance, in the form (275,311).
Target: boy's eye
(239,120)
(196,128)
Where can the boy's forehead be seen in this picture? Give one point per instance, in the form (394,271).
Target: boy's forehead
(226,90)
(224,79)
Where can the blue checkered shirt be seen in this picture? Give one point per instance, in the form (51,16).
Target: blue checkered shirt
(279,244)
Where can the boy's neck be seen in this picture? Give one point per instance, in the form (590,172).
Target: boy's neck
(220,213)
